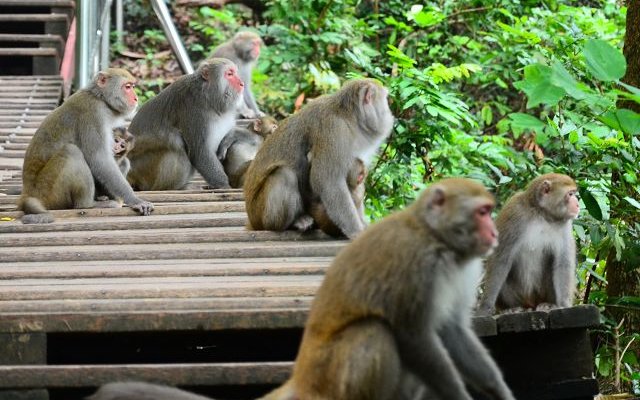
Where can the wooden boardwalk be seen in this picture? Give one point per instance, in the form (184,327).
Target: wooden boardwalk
(189,297)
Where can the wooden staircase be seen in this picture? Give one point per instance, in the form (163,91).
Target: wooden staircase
(187,296)
(33,35)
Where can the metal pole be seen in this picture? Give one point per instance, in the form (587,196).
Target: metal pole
(105,29)
(170,31)
(119,21)
(83,43)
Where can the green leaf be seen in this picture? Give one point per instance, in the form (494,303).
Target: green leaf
(591,204)
(629,121)
(611,120)
(521,122)
(538,86)
(604,61)
(632,201)
(562,78)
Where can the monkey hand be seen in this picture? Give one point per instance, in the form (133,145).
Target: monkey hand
(143,207)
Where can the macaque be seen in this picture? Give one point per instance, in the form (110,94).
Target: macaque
(333,131)
(239,148)
(398,301)
(243,49)
(393,313)
(355,183)
(534,265)
(123,142)
(72,149)
(179,130)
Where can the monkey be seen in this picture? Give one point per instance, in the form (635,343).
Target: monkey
(123,142)
(395,308)
(72,149)
(239,148)
(141,391)
(333,130)
(534,265)
(243,49)
(355,183)
(179,130)
(398,300)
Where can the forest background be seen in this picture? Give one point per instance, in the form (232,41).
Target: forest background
(496,90)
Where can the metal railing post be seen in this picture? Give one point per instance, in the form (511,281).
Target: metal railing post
(170,31)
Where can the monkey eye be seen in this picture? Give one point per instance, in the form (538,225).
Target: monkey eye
(230,72)
(129,86)
(484,210)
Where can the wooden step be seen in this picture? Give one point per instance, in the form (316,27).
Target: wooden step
(37,3)
(43,40)
(36,23)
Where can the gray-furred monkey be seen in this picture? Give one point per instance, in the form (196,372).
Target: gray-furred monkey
(73,148)
(534,265)
(395,307)
(243,49)
(240,146)
(333,131)
(180,129)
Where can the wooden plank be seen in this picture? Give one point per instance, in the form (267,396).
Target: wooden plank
(23,348)
(33,17)
(156,236)
(171,374)
(155,197)
(129,222)
(51,3)
(153,321)
(160,209)
(28,51)
(171,251)
(168,268)
(156,287)
(159,305)
(24,37)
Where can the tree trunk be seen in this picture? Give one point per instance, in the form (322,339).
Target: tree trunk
(624,276)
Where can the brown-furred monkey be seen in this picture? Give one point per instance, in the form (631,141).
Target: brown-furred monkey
(243,49)
(534,265)
(395,306)
(398,300)
(333,131)
(355,183)
(73,148)
(123,142)
(179,130)
(240,146)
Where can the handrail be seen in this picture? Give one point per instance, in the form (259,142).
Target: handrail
(170,31)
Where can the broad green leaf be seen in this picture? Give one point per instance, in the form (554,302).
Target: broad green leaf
(632,201)
(562,78)
(591,204)
(538,86)
(521,122)
(629,121)
(604,61)
(610,119)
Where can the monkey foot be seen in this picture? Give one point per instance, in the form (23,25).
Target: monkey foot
(303,223)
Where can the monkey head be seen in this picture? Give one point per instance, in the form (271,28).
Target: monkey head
(556,195)
(458,212)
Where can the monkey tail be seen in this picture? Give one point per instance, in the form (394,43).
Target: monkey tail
(34,211)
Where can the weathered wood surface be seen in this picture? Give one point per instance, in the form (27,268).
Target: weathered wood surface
(188,296)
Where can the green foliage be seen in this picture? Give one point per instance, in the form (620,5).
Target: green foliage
(496,90)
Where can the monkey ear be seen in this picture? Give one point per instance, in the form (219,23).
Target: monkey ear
(436,198)
(101,79)
(368,95)
(257,125)
(546,187)
(204,73)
